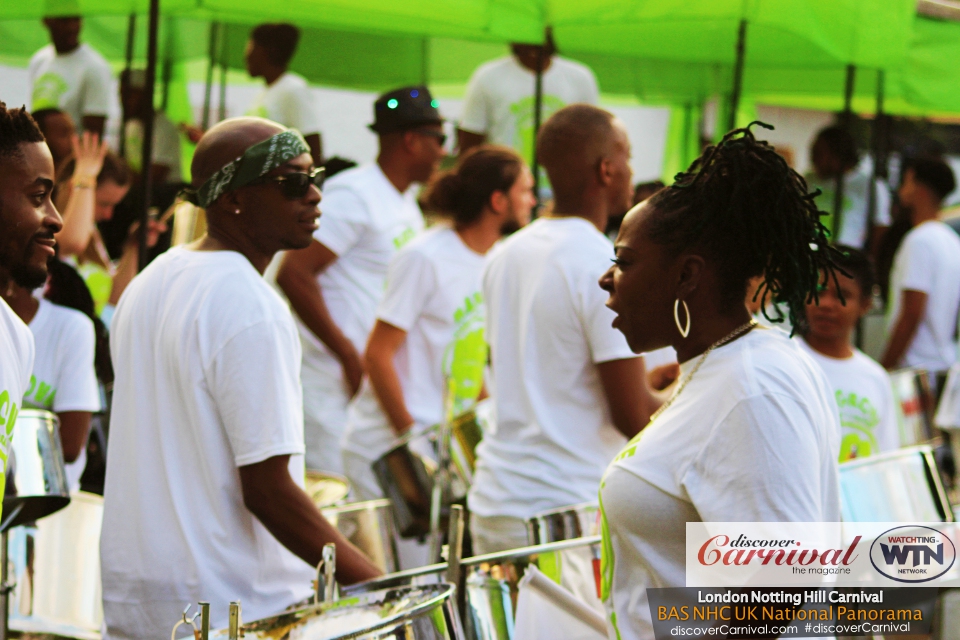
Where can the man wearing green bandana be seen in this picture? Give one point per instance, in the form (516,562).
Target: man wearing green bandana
(203,497)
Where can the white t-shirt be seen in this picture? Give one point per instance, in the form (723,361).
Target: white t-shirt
(64,378)
(868,417)
(928,260)
(207,365)
(166,145)
(500,99)
(551,434)
(853,220)
(16,363)
(754,437)
(433,293)
(289,102)
(78,82)
(365,221)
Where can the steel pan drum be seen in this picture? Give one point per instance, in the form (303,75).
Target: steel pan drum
(406,478)
(566,523)
(911,388)
(326,489)
(412,613)
(56,566)
(36,478)
(368,525)
(897,486)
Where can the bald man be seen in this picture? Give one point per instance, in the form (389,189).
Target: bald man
(568,390)
(203,496)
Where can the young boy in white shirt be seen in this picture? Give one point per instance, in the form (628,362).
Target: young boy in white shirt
(868,419)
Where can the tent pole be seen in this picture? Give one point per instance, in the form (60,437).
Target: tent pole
(222,113)
(845,122)
(537,116)
(738,75)
(208,86)
(128,63)
(146,163)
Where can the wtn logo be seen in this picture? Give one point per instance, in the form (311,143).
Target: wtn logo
(925,555)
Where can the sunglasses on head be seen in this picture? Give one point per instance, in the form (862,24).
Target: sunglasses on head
(294,186)
(432,133)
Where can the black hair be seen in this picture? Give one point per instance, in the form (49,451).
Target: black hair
(856,264)
(17,127)
(841,144)
(336,164)
(115,169)
(933,173)
(750,213)
(465,190)
(278,39)
(67,288)
(40,117)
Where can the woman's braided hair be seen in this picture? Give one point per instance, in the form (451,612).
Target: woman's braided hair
(750,213)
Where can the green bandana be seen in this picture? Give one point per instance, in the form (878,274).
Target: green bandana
(255,163)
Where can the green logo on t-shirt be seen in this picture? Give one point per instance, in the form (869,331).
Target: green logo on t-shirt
(403,238)
(523,113)
(466,355)
(47,91)
(39,394)
(858,422)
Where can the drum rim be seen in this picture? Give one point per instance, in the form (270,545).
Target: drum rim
(574,508)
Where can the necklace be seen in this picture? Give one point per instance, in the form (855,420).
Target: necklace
(730,337)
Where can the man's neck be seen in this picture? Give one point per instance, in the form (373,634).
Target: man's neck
(21,301)
(481,236)
(217,239)
(596,213)
(66,52)
(838,348)
(272,75)
(924,212)
(396,170)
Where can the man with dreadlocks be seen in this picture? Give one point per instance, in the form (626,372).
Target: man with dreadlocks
(28,222)
(751,433)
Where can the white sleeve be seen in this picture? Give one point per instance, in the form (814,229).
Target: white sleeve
(476,113)
(882,217)
(96,90)
(344,219)
(919,263)
(888,432)
(299,111)
(762,463)
(255,383)
(411,280)
(76,381)
(605,342)
(591,94)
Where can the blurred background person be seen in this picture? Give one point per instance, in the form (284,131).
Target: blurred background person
(336,284)
(70,76)
(165,163)
(286,98)
(58,130)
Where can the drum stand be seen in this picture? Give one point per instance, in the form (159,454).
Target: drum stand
(6,587)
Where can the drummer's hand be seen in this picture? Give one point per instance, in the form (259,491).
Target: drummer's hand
(353,371)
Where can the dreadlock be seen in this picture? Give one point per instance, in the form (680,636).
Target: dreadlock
(16,128)
(751,213)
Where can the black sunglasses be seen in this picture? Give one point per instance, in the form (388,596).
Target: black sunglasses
(432,133)
(294,186)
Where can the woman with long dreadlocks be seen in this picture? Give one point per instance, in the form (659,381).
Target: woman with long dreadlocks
(751,432)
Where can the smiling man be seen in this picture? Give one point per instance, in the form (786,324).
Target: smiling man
(28,221)
(203,495)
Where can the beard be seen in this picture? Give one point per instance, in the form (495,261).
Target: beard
(28,276)
(509,227)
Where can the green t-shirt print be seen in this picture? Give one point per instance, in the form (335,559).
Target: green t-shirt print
(8,418)
(39,394)
(858,424)
(466,355)
(47,91)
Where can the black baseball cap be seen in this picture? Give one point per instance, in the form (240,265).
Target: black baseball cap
(405,108)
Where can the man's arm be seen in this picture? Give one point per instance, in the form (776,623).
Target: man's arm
(288,514)
(631,402)
(913,305)
(384,342)
(74,427)
(467,140)
(297,277)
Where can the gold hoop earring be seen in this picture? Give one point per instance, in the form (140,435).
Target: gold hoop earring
(684,330)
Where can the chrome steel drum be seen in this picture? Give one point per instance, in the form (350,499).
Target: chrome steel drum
(412,613)
(36,478)
(56,567)
(368,525)
(897,486)
(467,432)
(326,489)
(915,401)
(565,523)
(406,478)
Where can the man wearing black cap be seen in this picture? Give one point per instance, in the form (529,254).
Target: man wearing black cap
(336,283)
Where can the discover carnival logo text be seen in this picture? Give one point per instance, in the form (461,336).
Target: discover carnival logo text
(809,554)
